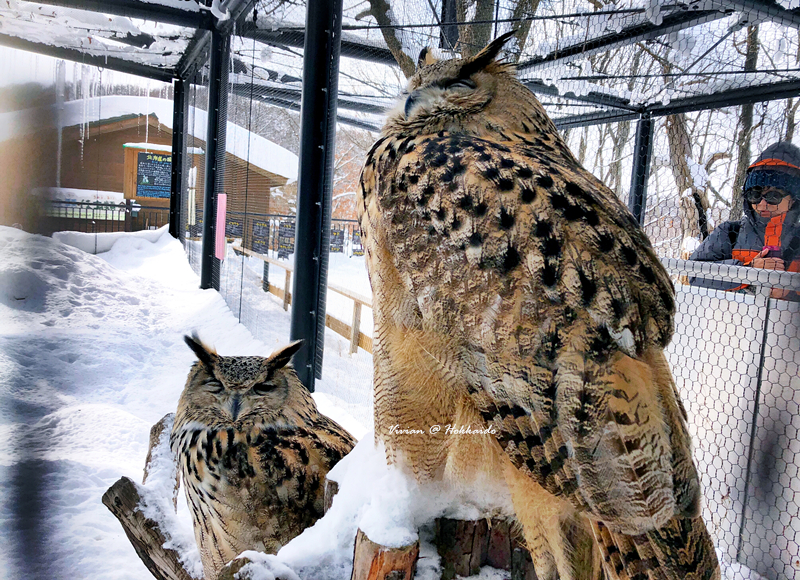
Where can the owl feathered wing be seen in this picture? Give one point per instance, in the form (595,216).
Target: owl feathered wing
(560,311)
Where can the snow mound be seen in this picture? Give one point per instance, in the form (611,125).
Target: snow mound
(103,242)
(388,505)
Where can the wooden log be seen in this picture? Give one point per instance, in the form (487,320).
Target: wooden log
(355,329)
(522,565)
(466,546)
(500,545)
(462,545)
(123,499)
(372,561)
(331,489)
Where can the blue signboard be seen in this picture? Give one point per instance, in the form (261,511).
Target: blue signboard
(153,175)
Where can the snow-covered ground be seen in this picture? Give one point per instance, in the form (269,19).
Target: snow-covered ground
(92,355)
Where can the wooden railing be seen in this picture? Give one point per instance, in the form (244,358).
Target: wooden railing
(349,331)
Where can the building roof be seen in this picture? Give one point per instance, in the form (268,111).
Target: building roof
(240,142)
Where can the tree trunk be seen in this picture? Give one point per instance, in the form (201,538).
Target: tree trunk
(474,37)
(380,10)
(745,129)
(521,28)
(693,200)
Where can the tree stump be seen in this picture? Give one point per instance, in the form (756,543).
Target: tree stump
(466,546)
(372,561)
(123,499)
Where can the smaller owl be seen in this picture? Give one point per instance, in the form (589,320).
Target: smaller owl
(253,452)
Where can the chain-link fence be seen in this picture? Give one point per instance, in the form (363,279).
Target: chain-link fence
(680,169)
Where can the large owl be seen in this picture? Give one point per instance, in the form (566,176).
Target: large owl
(513,290)
(253,452)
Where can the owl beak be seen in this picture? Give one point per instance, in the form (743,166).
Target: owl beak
(236,406)
(410,101)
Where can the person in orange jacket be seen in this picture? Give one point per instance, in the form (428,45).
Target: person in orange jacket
(768,235)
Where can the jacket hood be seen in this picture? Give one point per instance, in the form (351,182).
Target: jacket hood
(783,157)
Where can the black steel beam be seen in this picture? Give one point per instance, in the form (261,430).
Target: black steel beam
(294,95)
(179,104)
(295,106)
(593,98)
(315,183)
(642,153)
(678,20)
(75,55)
(195,55)
(589,119)
(139,9)
(215,154)
(730,98)
(759,10)
(296,39)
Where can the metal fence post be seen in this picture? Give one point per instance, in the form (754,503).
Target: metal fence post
(128,215)
(642,152)
(314,183)
(178,126)
(763,294)
(215,153)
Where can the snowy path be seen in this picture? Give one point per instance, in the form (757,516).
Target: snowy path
(91,355)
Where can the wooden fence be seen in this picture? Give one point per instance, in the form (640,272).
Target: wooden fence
(350,331)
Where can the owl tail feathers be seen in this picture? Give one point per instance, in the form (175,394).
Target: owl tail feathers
(681,550)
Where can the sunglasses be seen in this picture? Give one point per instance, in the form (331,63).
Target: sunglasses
(769,194)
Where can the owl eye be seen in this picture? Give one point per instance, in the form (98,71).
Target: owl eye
(262,388)
(213,386)
(460,84)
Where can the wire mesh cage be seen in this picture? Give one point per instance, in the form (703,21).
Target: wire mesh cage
(630,89)
(671,106)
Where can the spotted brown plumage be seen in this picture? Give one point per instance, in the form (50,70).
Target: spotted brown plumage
(514,290)
(253,453)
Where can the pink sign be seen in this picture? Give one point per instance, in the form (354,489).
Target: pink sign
(219,247)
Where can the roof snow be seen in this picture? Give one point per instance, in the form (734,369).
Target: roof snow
(240,142)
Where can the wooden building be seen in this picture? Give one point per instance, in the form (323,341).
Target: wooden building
(93,157)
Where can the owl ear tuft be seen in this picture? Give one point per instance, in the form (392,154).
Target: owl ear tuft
(425,57)
(281,358)
(204,354)
(486,56)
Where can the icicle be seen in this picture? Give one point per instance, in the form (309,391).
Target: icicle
(147,112)
(61,67)
(84,106)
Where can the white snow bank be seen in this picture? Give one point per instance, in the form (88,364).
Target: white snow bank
(98,243)
(265,567)
(91,356)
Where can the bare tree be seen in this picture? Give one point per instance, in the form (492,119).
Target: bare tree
(474,32)
(744,137)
